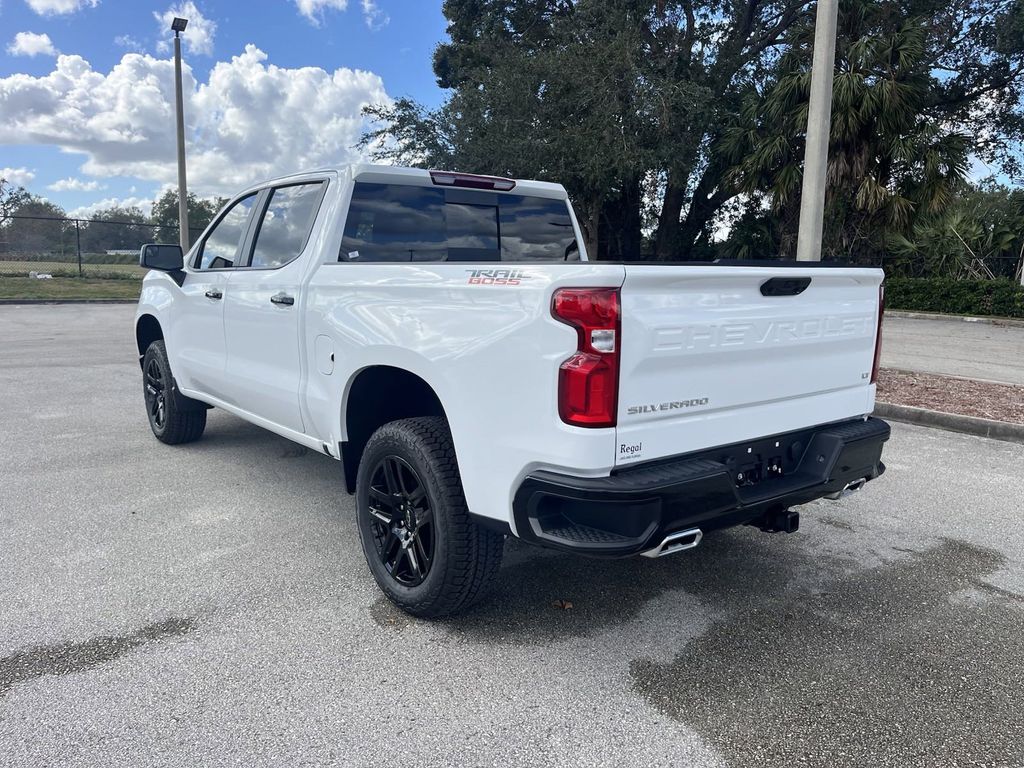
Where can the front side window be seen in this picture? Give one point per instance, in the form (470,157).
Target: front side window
(221,246)
(286,224)
(395,222)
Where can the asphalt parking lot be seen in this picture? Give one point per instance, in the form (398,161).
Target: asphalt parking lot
(975,350)
(209,605)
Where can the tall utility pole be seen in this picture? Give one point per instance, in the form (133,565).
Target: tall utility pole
(819,123)
(178,25)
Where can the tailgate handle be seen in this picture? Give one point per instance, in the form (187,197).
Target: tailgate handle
(785,286)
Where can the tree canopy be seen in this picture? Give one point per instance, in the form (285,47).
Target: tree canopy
(668,119)
(200,213)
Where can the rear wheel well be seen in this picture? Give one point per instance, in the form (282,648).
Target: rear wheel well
(147,330)
(379,395)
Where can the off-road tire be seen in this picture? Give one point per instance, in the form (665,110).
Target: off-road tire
(180,419)
(466,556)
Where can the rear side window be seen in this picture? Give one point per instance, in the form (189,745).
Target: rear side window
(286,224)
(394,222)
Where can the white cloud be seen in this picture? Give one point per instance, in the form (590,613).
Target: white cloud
(75,185)
(31,44)
(373,16)
(314,9)
(88,211)
(129,42)
(198,35)
(19,177)
(59,7)
(250,121)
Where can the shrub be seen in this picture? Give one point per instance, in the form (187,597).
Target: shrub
(958,297)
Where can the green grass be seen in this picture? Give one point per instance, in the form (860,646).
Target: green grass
(69,269)
(68,288)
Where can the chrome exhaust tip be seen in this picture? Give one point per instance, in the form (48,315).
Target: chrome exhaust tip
(676,542)
(851,487)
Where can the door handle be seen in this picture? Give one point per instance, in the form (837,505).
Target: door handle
(282,299)
(214,294)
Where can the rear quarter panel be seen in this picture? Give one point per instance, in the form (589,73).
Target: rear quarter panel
(490,352)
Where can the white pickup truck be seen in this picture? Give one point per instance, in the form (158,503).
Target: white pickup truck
(444,336)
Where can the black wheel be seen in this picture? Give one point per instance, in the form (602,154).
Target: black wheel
(423,549)
(173,417)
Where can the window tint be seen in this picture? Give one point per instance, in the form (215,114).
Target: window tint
(220,249)
(393,222)
(390,222)
(286,224)
(536,228)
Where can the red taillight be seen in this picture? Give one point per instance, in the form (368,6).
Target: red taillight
(588,382)
(471,181)
(878,335)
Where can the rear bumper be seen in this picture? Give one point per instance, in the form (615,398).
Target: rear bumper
(634,509)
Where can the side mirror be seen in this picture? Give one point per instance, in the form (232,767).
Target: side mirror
(162,256)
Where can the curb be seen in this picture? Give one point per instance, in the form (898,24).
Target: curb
(953,422)
(1012,322)
(8,302)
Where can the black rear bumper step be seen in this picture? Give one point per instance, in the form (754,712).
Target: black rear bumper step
(633,509)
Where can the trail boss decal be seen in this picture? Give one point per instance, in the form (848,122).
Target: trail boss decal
(496,276)
(635,410)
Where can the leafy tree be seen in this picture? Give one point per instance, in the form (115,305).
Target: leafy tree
(11,197)
(609,97)
(114,228)
(887,167)
(629,102)
(980,235)
(36,228)
(200,213)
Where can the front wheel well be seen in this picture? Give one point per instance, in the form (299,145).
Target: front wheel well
(379,395)
(147,330)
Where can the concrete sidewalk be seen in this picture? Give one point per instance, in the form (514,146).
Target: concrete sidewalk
(971,350)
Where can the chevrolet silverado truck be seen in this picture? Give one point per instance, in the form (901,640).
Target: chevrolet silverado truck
(445,337)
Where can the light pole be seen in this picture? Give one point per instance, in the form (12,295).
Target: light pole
(819,123)
(178,25)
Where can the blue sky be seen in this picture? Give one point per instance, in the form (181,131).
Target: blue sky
(275,84)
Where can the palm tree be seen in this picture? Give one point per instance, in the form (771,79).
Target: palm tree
(888,164)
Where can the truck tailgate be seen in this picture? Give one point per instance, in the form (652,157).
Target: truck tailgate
(708,359)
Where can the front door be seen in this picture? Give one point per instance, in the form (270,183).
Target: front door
(197,330)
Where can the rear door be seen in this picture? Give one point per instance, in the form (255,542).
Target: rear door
(263,306)
(713,355)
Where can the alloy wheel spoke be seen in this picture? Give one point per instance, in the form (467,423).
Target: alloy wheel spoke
(390,479)
(393,553)
(418,545)
(424,517)
(382,505)
(382,517)
(417,495)
(414,564)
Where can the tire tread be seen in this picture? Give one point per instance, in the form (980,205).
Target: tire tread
(475,553)
(181,425)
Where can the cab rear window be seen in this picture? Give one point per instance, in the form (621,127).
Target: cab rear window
(396,222)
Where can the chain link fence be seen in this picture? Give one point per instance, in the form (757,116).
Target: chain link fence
(98,248)
(31,246)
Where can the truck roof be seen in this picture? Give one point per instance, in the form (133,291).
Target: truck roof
(395,174)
